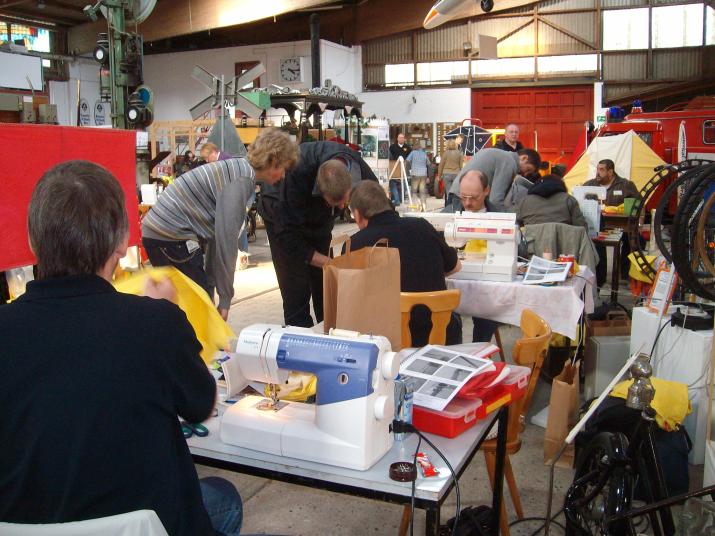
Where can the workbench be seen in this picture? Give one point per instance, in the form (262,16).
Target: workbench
(373,483)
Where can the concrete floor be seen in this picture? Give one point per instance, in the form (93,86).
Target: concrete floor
(277,508)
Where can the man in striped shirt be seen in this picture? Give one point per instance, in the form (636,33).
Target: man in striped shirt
(203,211)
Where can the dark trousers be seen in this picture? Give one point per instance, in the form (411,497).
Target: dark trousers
(298,282)
(166,253)
(483,329)
(421,325)
(602,266)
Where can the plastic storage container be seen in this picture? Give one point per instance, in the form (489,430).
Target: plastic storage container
(461,414)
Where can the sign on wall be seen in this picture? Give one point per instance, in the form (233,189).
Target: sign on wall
(100,118)
(84,113)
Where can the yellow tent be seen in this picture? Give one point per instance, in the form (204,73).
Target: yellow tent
(633,158)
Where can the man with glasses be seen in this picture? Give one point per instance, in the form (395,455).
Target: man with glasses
(473,197)
(299,215)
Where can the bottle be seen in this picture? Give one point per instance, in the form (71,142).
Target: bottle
(403,403)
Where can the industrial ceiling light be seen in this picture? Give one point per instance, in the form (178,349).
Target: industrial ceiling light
(101,50)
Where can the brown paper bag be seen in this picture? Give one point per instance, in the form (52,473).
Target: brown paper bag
(361,292)
(563,414)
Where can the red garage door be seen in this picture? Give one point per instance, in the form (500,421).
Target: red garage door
(551,118)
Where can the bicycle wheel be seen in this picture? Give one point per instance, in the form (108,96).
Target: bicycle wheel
(602,488)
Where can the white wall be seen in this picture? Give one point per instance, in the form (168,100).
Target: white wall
(169,75)
(419,106)
(64,94)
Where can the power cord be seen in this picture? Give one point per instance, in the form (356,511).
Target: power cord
(403,427)
(414,485)
(553,520)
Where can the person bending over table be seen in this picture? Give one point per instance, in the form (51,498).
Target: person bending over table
(617,190)
(500,168)
(474,197)
(89,409)
(299,218)
(425,257)
(549,202)
(203,211)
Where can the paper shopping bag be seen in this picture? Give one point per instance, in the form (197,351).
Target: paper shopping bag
(361,292)
(563,414)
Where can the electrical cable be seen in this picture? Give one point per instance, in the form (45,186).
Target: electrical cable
(414,485)
(655,342)
(536,518)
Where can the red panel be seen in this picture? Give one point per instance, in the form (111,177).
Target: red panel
(35,149)
(557,114)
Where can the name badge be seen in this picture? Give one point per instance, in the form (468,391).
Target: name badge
(618,192)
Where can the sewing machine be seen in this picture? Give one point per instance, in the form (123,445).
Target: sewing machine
(590,207)
(349,424)
(498,229)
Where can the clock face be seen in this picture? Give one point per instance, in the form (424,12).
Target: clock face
(290,69)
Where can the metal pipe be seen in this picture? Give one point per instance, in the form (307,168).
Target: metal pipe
(315,49)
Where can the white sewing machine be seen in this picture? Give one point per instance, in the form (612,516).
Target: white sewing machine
(349,424)
(590,208)
(498,229)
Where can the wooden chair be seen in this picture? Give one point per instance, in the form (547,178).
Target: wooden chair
(529,351)
(441,303)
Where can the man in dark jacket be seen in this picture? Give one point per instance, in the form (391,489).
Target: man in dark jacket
(425,257)
(299,217)
(549,202)
(89,410)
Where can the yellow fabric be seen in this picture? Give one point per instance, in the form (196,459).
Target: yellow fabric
(299,387)
(619,209)
(636,273)
(476,246)
(643,160)
(670,402)
(211,330)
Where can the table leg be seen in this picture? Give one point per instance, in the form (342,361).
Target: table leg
(432,521)
(499,471)
(616,272)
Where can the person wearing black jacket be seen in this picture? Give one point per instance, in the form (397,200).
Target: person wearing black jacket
(299,215)
(549,202)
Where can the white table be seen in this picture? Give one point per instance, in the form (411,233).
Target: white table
(682,355)
(560,305)
(374,483)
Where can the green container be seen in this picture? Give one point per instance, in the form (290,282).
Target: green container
(630,205)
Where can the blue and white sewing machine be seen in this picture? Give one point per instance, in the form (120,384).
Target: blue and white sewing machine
(349,424)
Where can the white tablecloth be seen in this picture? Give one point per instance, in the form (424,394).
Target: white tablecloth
(683,356)
(561,305)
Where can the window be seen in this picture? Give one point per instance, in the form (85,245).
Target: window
(710,23)
(3,32)
(441,72)
(709,132)
(678,26)
(503,67)
(36,39)
(625,29)
(568,64)
(400,75)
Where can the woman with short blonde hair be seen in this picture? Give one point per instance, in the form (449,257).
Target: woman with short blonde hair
(273,148)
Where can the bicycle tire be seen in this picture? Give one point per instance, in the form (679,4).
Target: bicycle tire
(600,470)
(695,275)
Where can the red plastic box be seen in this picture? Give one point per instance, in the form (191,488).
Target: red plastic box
(460,414)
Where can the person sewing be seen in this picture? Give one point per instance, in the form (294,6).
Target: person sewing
(425,257)
(474,197)
(299,217)
(203,211)
(500,168)
(617,190)
(548,202)
(89,410)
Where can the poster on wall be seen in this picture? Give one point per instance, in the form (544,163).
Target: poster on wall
(100,119)
(84,113)
(369,148)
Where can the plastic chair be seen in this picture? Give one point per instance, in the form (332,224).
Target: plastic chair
(441,303)
(138,523)
(529,351)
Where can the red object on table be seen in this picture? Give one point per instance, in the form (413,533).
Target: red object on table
(461,414)
(35,149)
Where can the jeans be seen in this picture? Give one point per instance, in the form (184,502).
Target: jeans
(483,329)
(191,264)
(223,504)
(419,187)
(447,179)
(395,192)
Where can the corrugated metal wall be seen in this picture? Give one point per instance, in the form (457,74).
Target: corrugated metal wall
(559,33)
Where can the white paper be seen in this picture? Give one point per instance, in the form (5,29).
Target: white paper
(437,374)
(543,271)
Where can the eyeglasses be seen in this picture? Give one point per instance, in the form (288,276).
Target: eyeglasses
(469,197)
